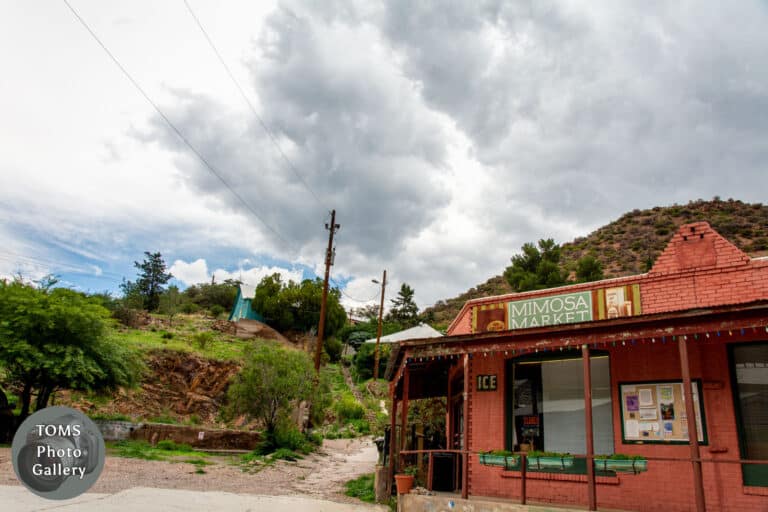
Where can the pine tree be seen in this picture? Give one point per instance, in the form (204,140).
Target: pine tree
(404,309)
(151,279)
(536,268)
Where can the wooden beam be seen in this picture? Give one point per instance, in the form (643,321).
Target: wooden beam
(588,427)
(404,412)
(392,439)
(693,434)
(465,434)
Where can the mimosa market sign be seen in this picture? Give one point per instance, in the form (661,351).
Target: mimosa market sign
(565,308)
(558,309)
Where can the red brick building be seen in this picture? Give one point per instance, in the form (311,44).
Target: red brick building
(687,339)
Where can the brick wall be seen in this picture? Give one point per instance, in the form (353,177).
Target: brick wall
(666,485)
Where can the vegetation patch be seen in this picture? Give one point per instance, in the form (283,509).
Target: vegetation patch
(362,488)
(165,450)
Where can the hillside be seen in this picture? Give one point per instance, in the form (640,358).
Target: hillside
(629,244)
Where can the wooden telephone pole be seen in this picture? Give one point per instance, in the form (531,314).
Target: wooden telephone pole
(332,227)
(378,331)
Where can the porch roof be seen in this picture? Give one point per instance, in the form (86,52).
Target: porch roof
(628,328)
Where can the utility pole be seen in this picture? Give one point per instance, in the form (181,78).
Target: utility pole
(332,227)
(378,331)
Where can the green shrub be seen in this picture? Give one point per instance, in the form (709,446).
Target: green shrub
(364,360)
(166,335)
(163,418)
(172,446)
(202,339)
(285,454)
(110,417)
(189,308)
(362,488)
(217,310)
(287,436)
(361,426)
(348,408)
(315,438)
(127,316)
(333,348)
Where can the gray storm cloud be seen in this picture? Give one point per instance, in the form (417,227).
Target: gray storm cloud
(573,111)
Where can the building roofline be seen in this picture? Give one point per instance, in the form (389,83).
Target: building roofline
(568,329)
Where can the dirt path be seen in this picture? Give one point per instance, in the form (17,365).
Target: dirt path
(320,475)
(369,414)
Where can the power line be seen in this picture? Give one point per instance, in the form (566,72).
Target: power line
(338,286)
(173,126)
(250,105)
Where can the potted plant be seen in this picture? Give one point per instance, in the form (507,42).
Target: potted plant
(405,479)
(549,460)
(502,458)
(621,463)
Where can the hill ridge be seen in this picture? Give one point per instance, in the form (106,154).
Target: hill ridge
(630,244)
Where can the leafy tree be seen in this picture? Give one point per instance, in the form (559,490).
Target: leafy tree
(170,303)
(54,339)
(589,269)
(536,268)
(207,295)
(364,359)
(151,279)
(357,338)
(333,347)
(132,298)
(369,312)
(297,305)
(272,380)
(404,309)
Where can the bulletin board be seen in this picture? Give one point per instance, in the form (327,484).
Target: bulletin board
(654,412)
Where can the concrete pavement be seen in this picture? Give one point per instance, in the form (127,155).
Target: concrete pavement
(142,499)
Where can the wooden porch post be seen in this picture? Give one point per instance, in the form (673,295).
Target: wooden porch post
(448,416)
(465,434)
(392,439)
(404,412)
(693,434)
(588,427)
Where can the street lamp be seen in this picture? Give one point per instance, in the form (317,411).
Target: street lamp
(378,331)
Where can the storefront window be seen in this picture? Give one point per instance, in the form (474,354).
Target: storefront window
(547,409)
(750,369)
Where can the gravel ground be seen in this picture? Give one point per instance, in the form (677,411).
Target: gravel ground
(320,475)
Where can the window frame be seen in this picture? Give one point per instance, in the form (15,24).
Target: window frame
(749,479)
(509,424)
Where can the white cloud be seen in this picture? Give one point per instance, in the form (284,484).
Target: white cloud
(196,272)
(190,273)
(445,139)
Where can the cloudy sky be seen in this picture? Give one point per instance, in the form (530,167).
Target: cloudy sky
(445,134)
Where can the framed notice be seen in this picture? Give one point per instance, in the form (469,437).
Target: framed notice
(654,412)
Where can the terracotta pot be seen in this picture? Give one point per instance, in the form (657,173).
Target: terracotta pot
(404,483)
